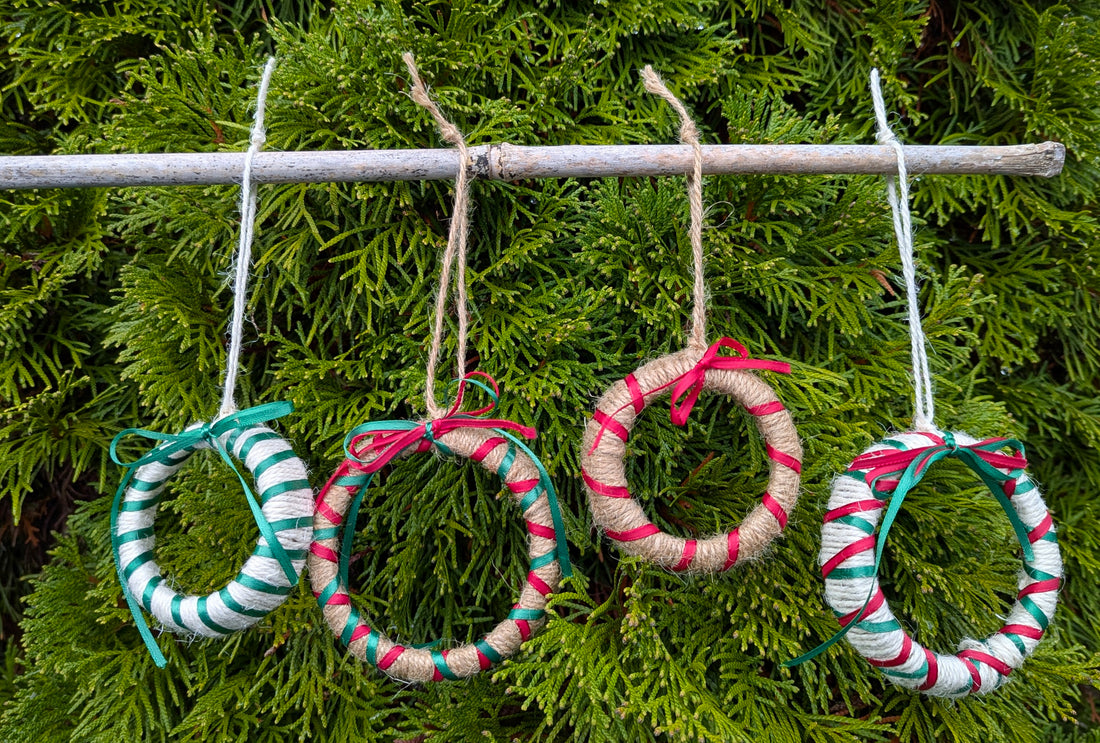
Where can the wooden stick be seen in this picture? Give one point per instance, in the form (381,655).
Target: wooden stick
(511,163)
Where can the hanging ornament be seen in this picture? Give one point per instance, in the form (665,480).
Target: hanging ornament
(870,494)
(492,443)
(283,511)
(683,376)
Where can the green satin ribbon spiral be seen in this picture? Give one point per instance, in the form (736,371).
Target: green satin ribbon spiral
(173,443)
(924,458)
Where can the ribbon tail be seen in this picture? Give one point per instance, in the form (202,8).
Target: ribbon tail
(908,480)
(837,637)
(266,531)
(131,602)
(561,547)
(995,480)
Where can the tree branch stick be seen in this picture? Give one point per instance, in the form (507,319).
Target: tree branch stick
(512,162)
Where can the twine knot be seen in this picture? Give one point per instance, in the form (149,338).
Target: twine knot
(689,135)
(456,243)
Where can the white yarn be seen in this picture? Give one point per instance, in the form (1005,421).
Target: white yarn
(923,405)
(244,248)
(296,503)
(847,595)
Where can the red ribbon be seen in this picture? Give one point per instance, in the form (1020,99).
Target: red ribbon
(388,443)
(878,464)
(689,384)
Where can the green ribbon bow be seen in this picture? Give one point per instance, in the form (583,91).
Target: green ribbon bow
(982,457)
(173,443)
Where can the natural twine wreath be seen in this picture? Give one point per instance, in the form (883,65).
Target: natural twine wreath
(603,469)
(465,434)
(849,559)
(285,520)
(487,443)
(684,375)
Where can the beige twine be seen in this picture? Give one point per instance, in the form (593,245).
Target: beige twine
(689,134)
(415,664)
(456,245)
(604,464)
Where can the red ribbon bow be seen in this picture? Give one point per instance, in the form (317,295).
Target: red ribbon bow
(877,464)
(691,382)
(390,438)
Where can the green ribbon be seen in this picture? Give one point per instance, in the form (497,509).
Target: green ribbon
(173,443)
(920,459)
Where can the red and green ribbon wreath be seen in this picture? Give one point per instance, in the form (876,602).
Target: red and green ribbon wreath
(881,471)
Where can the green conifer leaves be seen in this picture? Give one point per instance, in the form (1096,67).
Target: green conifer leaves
(112,308)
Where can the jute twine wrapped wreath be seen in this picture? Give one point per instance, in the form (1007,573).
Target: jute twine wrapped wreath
(266,578)
(485,443)
(372,445)
(603,470)
(683,376)
(849,557)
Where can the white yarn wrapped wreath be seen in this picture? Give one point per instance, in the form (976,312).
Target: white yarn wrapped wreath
(263,582)
(848,557)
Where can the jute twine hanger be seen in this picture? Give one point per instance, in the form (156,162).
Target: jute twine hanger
(285,516)
(875,486)
(467,434)
(683,376)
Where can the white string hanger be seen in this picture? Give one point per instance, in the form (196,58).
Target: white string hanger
(924,406)
(244,249)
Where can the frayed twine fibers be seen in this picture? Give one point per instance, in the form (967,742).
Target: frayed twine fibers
(848,564)
(684,376)
(497,452)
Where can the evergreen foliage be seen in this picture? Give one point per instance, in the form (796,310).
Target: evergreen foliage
(113,308)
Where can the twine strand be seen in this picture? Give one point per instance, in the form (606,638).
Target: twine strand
(244,248)
(689,135)
(456,245)
(924,412)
